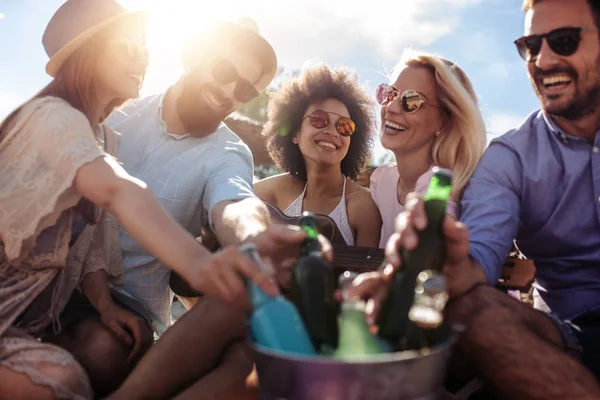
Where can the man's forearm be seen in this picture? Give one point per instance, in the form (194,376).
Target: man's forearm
(96,289)
(235,221)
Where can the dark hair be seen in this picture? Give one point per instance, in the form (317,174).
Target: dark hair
(594,7)
(288,105)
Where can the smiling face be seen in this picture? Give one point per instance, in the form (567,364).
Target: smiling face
(122,63)
(325,145)
(567,86)
(205,100)
(404,132)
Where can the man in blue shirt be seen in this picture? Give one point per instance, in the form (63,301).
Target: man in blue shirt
(201,173)
(538,184)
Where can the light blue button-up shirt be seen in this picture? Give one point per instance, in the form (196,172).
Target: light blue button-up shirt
(541,186)
(188,175)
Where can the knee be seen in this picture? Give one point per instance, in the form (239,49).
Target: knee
(239,355)
(102,354)
(224,318)
(489,329)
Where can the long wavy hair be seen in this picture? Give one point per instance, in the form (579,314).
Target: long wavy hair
(463,138)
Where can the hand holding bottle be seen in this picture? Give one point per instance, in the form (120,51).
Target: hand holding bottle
(222,275)
(280,245)
(459,268)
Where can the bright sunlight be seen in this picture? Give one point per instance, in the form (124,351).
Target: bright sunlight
(172,20)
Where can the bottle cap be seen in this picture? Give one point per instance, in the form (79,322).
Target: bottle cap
(440,185)
(311,244)
(251,251)
(345,282)
(444,175)
(345,279)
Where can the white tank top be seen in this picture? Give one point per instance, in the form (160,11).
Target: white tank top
(339,214)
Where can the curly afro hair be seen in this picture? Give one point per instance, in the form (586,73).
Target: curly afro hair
(316,84)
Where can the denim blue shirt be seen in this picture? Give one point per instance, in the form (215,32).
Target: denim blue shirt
(541,186)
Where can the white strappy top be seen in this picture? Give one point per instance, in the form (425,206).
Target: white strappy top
(339,214)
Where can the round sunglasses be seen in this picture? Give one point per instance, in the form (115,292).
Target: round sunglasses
(411,99)
(320,119)
(562,41)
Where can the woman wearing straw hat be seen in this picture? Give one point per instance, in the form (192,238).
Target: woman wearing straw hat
(56,173)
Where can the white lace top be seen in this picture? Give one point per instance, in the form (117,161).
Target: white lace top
(339,214)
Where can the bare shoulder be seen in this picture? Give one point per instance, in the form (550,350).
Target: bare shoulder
(359,202)
(274,188)
(358,194)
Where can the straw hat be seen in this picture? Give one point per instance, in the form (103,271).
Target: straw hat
(75,22)
(222,37)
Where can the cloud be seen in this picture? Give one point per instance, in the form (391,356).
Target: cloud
(334,29)
(1,16)
(369,39)
(499,123)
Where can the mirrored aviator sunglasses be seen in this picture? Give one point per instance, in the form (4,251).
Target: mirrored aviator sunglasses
(320,119)
(224,73)
(562,41)
(411,99)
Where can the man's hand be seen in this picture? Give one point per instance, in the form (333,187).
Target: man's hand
(129,328)
(280,245)
(459,268)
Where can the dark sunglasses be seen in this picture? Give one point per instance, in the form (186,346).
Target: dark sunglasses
(562,41)
(224,73)
(320,119)
(411,99)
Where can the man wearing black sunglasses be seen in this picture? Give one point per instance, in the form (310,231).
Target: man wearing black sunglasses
(538,184)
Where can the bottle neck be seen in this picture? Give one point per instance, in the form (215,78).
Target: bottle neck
(257,296)
(310,246)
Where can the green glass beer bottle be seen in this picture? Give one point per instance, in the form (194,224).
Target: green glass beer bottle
(430,253)
(356,340)
(312,290)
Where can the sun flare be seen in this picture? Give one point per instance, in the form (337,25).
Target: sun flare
(171,21)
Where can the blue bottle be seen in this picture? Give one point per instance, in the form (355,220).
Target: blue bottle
(275,322)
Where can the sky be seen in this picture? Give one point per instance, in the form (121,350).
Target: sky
(368,36)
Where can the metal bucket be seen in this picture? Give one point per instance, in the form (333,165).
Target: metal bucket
(407,375)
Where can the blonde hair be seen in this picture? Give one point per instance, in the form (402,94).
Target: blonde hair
(463,137)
